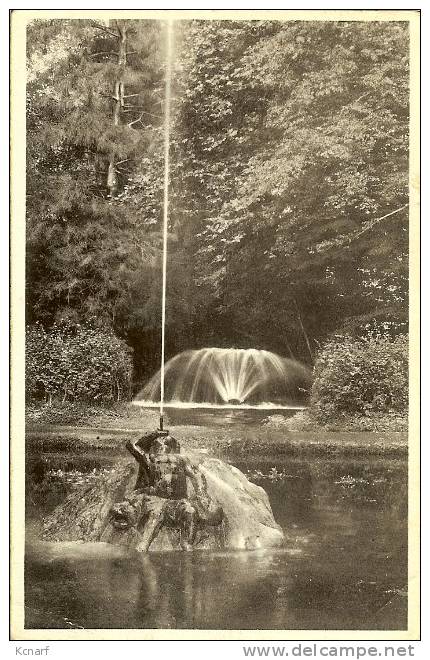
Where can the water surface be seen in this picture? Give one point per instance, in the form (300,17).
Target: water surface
(344,565)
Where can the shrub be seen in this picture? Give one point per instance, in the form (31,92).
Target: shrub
(364,376)
(76,363)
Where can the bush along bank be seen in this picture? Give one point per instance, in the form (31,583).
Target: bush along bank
(360,384)
(73,362)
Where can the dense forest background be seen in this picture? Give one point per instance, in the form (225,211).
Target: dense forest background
(289,183)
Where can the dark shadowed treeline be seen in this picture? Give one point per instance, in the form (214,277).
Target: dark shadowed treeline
(289,182)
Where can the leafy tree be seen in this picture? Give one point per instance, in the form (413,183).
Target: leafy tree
(298,173)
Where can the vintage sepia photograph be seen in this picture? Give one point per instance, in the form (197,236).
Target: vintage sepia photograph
(215,254)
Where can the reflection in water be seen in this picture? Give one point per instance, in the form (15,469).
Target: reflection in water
(344,565)
(237,416)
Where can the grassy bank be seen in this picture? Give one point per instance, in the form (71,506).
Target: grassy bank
(373,422)
(117,416)
(108,430)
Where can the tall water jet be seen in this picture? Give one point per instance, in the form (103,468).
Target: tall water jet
(169,47)
(223,376)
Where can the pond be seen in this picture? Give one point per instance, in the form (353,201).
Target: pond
(344,565)
(226,416)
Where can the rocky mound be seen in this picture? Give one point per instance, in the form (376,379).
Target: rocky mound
(87,514)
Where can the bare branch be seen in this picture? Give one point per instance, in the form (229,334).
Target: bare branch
(103,29)
(109,96)
(351,105)
(375,221)
(104,52)
(348,238)
(136,121)
(136,107)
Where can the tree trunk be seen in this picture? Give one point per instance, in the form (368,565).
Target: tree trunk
(308,344)
(118,96)
(289,349)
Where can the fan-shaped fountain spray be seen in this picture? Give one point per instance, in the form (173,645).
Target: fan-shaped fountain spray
(228,376)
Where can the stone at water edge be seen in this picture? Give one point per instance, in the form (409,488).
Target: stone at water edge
(248,518)
(249,521)
(85,512)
